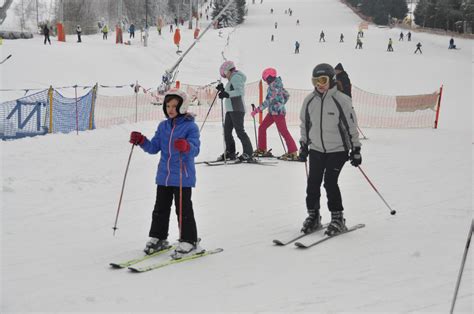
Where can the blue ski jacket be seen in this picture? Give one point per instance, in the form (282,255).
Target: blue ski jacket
(169,166)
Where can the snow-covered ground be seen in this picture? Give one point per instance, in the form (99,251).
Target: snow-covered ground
(60,192)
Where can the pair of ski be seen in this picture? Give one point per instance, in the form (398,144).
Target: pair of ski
(132,263)
(326,237)
(238,162)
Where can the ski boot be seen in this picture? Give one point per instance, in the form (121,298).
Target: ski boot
(312,222)
(246,158)
(289,157)
(228,156)
(263,153)
(186,248)
(155,245)
(337,224)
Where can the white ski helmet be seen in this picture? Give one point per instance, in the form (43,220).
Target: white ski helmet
(183,101)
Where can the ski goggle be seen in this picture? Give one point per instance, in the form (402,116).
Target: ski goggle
(321,80)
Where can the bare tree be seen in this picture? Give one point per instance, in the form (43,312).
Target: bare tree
(3,10)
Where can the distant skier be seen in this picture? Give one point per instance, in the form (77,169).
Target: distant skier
(233,93)
(327,146)
(273,38)
(275,101)
(358,44)
(390,43)
(297,22)
(341,38)
(342,80)
(297,47)
(105,31)
(171,29)
(276,25)
(131,30)
(409,36)
(271,11)
(177,141)
(418,48)
(401,36)
(46,34)
(79,32)
(451,44)
(321,37)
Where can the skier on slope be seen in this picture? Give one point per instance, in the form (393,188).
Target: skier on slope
(275,101)
(418,48)
(321,37)
(390,45)
(329,138)
(177,138)
(233,93)
(79,32)
(343,81)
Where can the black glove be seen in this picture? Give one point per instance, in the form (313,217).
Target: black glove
(355,157)
(223,94)
(220,87)
(303,152)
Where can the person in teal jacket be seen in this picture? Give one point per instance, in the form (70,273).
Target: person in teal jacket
(233,93)
(177,138)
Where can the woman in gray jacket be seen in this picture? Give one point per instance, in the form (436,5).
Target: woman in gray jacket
(329,137)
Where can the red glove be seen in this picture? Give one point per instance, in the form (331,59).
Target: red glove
(182,145)
(136,138)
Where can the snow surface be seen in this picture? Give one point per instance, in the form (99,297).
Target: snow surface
(60,192)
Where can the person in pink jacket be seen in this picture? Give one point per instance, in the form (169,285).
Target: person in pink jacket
(277,96)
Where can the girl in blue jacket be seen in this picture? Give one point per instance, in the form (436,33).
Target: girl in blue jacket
(177,138)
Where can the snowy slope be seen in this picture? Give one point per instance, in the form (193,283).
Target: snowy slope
(60,192)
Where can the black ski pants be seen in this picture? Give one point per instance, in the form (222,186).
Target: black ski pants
(325,166)
(161,213)
(235,120)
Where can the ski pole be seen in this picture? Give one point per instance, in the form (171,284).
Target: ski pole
(123,186)
(462,266)
(1,62)
(180,196)
(283,144)
(255,127)
(392,211)
(209,111)
(360,131)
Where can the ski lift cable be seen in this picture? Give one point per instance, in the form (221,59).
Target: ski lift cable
(169,75)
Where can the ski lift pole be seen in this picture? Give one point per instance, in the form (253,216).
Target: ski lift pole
(462,267)
(173,68)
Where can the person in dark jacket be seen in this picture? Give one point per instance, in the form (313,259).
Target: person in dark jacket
(418,48)
(131,29)
(46,34)
(343,81)
(177,138)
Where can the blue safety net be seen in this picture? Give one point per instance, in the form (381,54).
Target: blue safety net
(30,115)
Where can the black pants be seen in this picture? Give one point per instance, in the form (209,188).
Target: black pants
(161,213)
(325,166)
(235,120)
(46,38)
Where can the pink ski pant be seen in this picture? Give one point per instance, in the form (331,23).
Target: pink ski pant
(282,129)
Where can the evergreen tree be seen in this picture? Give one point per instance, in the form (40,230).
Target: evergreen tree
(229,17)
(241,11)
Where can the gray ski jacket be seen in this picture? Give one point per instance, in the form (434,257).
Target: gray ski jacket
(328,122)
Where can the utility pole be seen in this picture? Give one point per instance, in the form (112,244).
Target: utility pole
(146,13)
(190,24)
(37,15)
